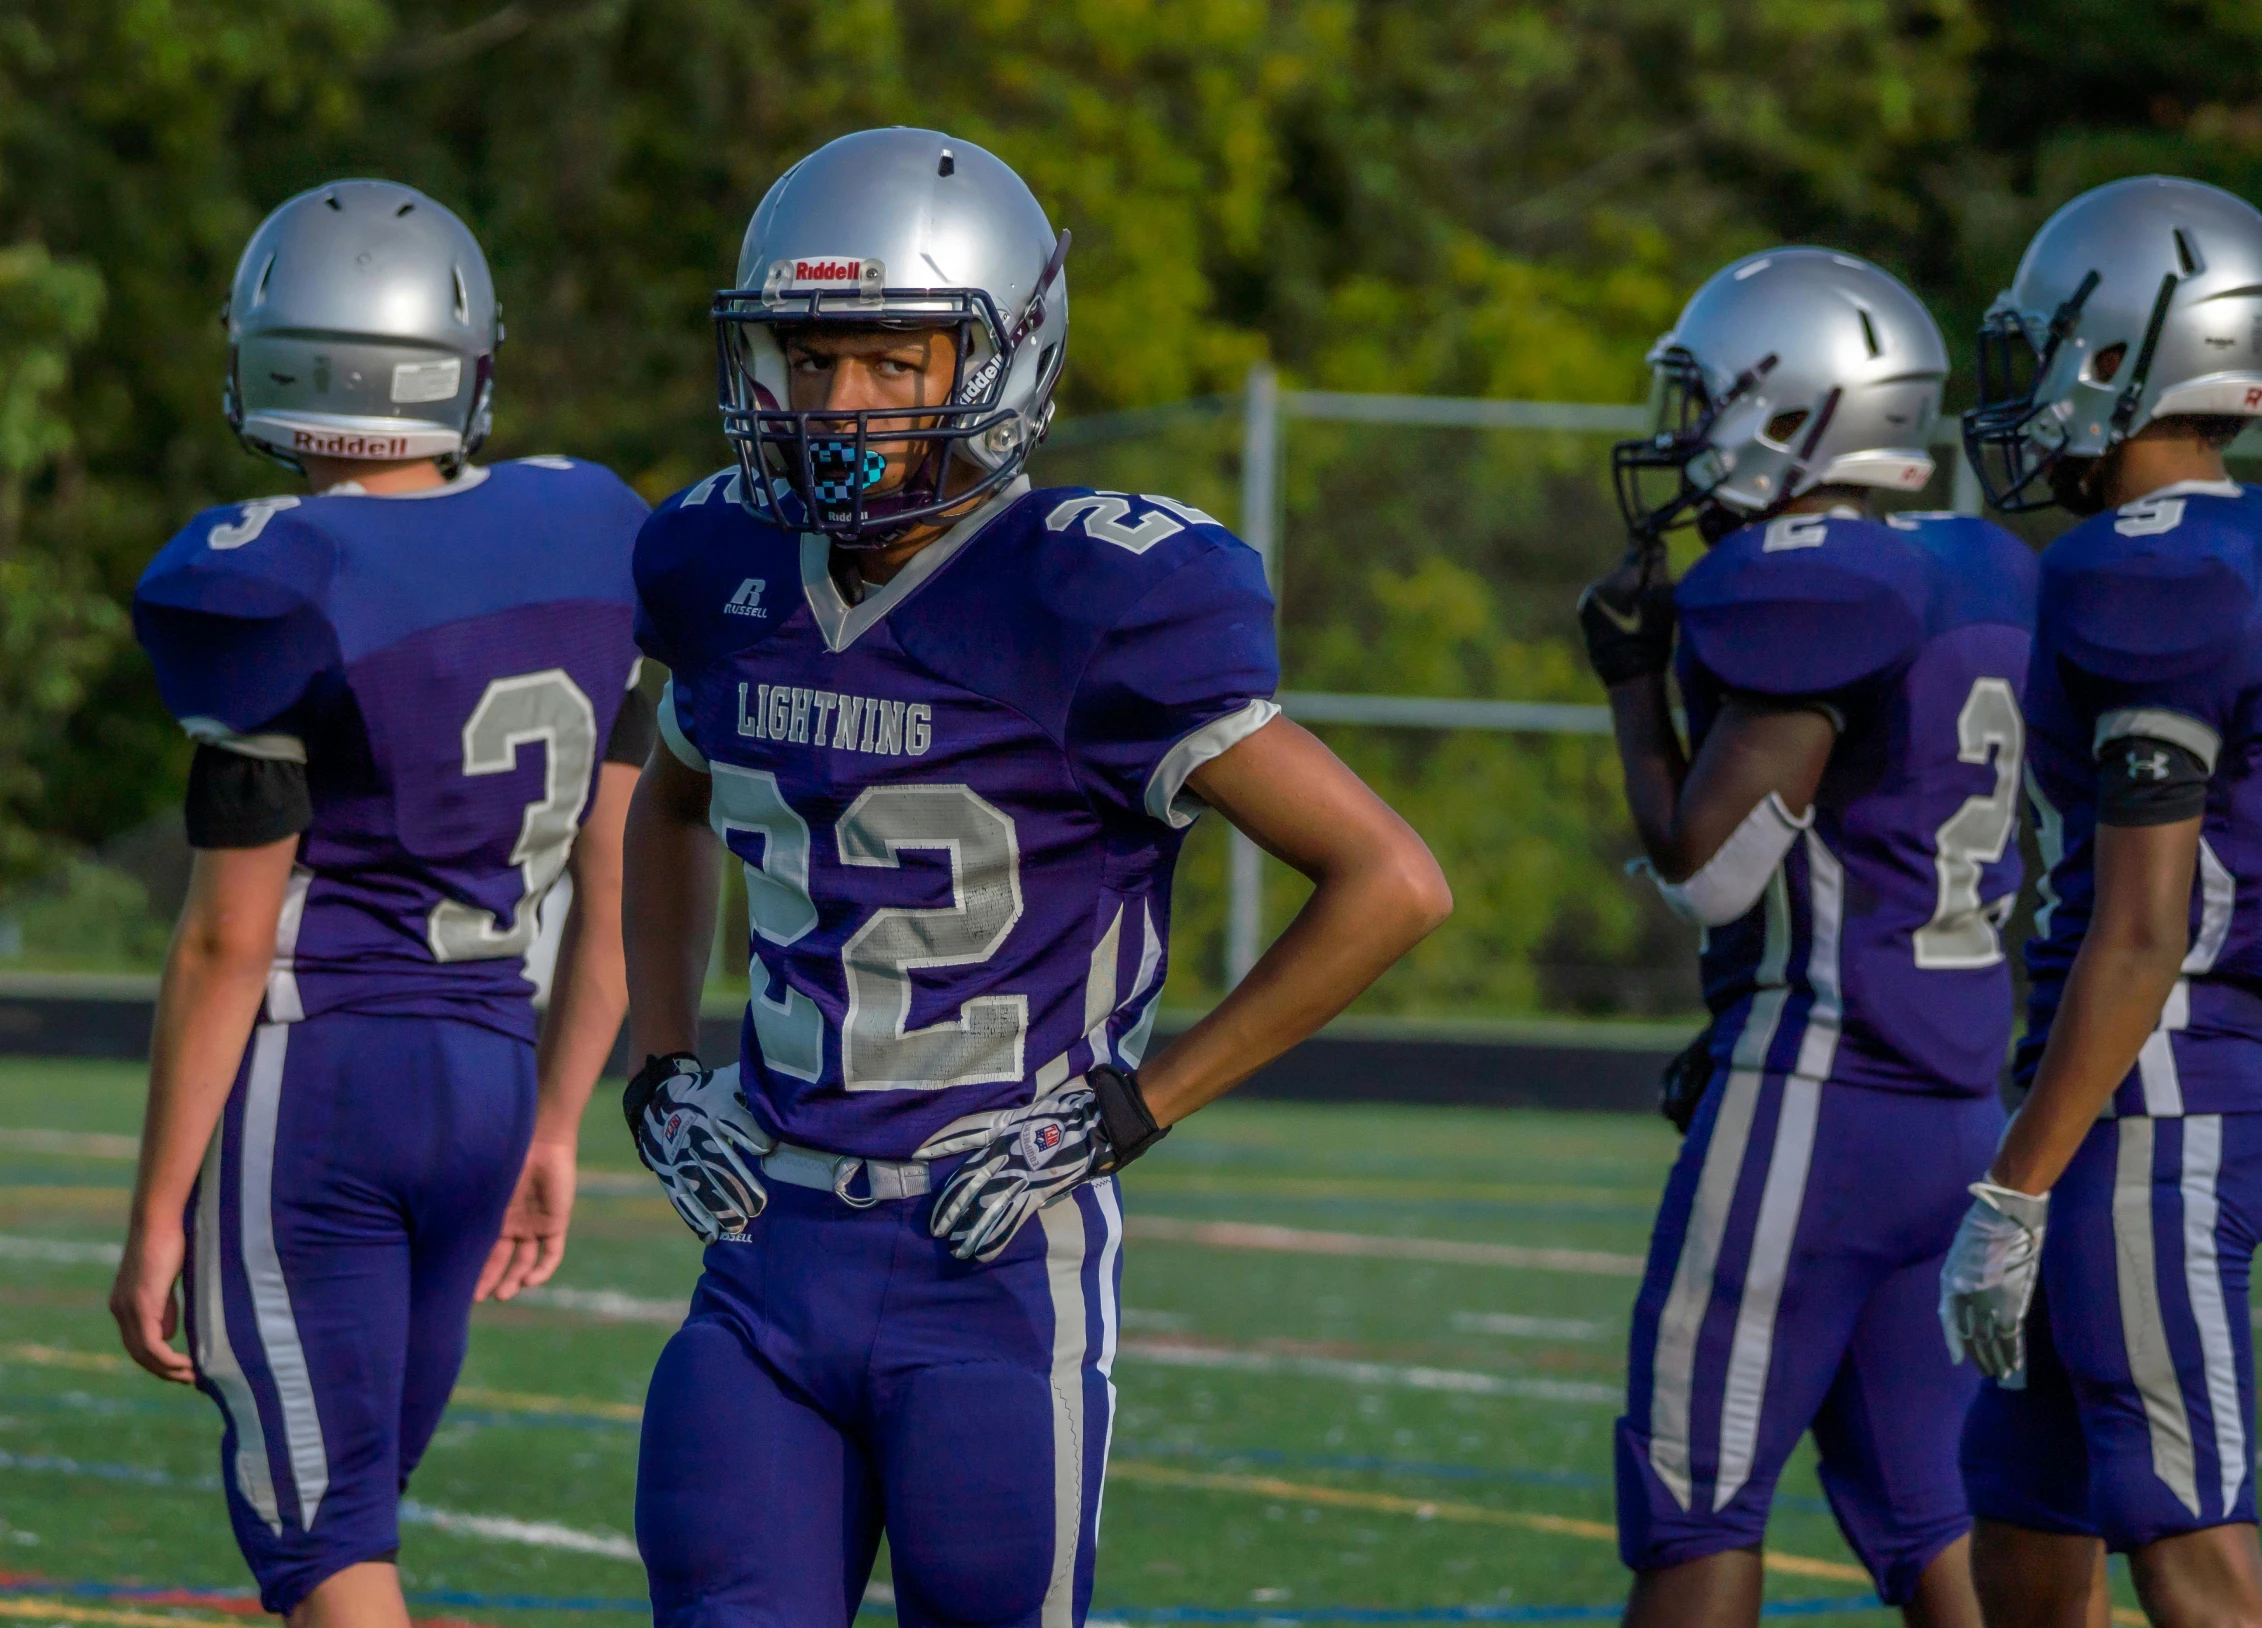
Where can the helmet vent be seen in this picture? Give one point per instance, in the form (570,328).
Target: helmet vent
(463,298)
(404,209)
(1869,334)
(259,294)
(1783,426)
(332,201)
(946,165)
(2187,258)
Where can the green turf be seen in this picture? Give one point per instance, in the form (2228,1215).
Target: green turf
(1194,1518)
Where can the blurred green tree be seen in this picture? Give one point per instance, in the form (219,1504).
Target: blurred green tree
(1460,196)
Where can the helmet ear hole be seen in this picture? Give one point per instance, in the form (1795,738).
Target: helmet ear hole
(2107,362)
(1784,425)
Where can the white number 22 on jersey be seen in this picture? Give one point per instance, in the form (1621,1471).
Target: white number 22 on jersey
(1962,933)
(550,710)
(879,1049)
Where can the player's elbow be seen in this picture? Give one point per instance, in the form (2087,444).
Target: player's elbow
(225,941)
(1421,897)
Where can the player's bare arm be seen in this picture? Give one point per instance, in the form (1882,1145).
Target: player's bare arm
(668,869)
(589,996)
(215,975)
(2129,961)
(1377,893)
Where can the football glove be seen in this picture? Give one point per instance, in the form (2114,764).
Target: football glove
(1682,1086)
(695,1132)
(1988,1280)
(1025,1158)
(1627,617)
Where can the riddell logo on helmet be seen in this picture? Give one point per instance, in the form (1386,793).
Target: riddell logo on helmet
(828,270)
(349,446)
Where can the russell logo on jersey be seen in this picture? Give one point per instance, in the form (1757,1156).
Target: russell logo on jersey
(748,600)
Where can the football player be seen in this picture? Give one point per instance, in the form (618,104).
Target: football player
(410,693)
(1840,826)
(955,729)
(2100,1279)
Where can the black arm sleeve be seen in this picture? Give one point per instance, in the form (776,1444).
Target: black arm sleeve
(635,728)
(236,801)
(2141,781)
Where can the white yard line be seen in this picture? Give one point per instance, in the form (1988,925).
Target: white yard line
(1519,1327)
(507,1529)
(1403,1376)
(59,1251)
(606,1305)
(1447,1251)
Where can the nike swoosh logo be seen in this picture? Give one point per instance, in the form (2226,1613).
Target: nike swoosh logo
(1623,621)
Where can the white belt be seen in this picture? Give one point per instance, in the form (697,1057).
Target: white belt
(834,1173)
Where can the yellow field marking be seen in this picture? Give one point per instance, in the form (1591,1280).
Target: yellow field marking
(529,1402)
(1430,1509)
(1449,1251)
(44,1609)
(50,1356)
(15,1195)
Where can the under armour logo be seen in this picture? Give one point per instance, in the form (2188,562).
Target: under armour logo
(748,600)
(2151,767)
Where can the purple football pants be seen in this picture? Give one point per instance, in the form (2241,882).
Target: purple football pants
(355,1187)
(2137,1420)
(1792,1283)
(840,1375)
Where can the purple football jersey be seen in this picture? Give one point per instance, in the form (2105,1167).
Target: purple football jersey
(1875,956)
(447,664)
(2151,627)
(959,801)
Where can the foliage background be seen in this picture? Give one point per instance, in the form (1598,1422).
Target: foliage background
(1503,197)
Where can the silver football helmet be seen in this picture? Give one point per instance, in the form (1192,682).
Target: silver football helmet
(1788,370)
(362,324)
(893,227)
(2140,299)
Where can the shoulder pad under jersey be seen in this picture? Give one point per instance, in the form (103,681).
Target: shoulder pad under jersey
(2156,589)
(234,612)
(1805,604)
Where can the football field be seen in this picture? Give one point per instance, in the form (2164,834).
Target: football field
(1370,1362)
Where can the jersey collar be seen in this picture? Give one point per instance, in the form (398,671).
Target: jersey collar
(2194,488)
(843,624)
(464,482)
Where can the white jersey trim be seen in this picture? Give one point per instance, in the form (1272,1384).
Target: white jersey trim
(269,748)
(1167,798)
(671,731)
(2159,724)
(841,623)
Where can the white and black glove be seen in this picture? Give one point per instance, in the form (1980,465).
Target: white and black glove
(1025,1158)
(1987,1281)
(695,1132)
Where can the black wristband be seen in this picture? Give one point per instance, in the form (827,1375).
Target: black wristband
(645,1084)
(1125,1119)
(2145,781)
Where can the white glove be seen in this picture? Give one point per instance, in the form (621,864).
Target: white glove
(1023,1159)
(695,1132)
(1987,1281)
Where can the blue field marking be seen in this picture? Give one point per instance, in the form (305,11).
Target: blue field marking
(1302,1617)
